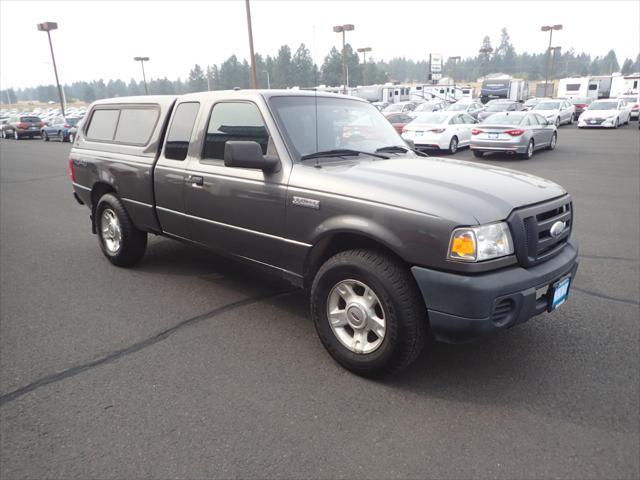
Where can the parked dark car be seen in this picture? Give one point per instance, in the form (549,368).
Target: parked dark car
(22,126)
(391,245)
(59,128)
(495,106)
(398,120)
(581,104)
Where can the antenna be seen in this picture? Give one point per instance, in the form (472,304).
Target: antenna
(315,96)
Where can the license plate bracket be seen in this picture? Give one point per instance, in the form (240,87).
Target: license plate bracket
(558,293)
(494,136)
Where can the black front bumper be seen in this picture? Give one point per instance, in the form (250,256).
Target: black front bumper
(462,307)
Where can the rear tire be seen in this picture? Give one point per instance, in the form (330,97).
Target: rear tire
(45,137)
(478,154)
(453,145)
(121,242)
(392,307)
(530,149)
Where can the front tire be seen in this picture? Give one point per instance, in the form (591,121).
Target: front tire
(478,154)
(16,135)
(45,137)
(553,142)
(617,124)
(368,312)
(121,242)
(71,138)
(453,145)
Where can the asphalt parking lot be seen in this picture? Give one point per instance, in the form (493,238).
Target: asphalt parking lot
(191,365)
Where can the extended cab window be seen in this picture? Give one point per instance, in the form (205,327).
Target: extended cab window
(103,124)
(234,121)
(180,131)
(136,125)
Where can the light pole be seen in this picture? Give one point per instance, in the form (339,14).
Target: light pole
(47,27)
(455,61)
(254,75)
(364,51)
(268,81)
(550,29)
(556,51)
(344,28)
(144,77)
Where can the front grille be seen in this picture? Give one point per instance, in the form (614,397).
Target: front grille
(531,228)
(595,121)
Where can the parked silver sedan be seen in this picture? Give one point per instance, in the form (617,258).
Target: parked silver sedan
(515,133)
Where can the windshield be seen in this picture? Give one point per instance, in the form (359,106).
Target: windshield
(547,106)
(458,107)
(498,107)
(72,121)
(30,119)
(631,98)
(339,123)
(530,102)
(504,119)
(604,106)
(431,118)
(394,108)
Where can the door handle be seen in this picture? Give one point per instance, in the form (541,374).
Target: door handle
(195,180)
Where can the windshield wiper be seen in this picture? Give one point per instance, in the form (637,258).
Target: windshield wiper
(400,149)
(340,152)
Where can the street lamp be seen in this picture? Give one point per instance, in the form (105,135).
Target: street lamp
(344,28)
(254,75)
(268,81)
(364,51)
(455,60)
(47,27)
(144,77)
(550,29)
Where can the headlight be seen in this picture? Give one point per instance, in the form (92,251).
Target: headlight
(475,244)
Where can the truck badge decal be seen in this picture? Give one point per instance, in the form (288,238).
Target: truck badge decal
(306,202)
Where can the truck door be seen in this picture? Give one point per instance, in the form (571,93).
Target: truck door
(170,171)
(238,210)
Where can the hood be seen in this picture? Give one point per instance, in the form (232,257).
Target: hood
(464,192)
(589,113)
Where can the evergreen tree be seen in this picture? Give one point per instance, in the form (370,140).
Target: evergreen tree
(197,82)
(302,67)
(332,68)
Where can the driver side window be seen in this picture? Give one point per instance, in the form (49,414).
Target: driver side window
(234,121)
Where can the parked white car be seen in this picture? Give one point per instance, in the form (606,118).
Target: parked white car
(443,130)
(609,113)
(633,99)
(556,111)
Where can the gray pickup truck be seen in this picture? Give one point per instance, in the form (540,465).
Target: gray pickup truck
(322,190)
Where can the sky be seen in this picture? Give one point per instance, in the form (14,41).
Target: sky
(98,39)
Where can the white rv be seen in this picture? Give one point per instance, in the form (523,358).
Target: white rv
(624,84)
(384,93)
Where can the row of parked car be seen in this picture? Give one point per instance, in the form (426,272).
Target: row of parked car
(503,125)
(60,128)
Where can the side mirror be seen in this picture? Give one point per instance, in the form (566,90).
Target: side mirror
(243,154)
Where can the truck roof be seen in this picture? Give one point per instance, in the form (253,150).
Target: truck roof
(245,94)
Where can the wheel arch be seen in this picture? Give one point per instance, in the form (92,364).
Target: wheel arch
(336,241)
(98,190)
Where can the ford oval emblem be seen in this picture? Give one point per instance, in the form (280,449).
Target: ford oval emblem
(557,229)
